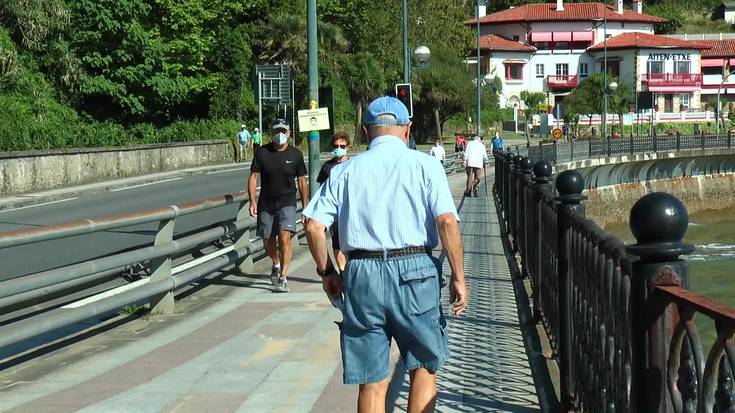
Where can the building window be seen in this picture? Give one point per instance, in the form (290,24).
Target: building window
(516,38)
(540,71)
(712,70)
(562,69)
(514,71)
(583,70)
(655,67)
(681,67)
(613,67)
(684,101)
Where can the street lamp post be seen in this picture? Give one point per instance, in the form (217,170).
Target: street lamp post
(479,85)
(314,162)
(604,70)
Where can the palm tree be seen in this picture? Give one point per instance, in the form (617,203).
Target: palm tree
(532,101)
(365,79)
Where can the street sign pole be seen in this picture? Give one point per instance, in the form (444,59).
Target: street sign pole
(314,164)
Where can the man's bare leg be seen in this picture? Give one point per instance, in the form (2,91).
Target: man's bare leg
(371,398)
(422,396)
(271,248)
(284,248)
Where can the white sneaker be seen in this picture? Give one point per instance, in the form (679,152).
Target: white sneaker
(275,273)
(282,285)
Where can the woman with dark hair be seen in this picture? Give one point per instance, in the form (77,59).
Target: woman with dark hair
(340,146)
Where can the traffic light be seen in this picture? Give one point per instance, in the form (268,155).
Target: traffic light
(405,95)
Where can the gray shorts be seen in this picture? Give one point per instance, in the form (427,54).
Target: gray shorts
(271,222)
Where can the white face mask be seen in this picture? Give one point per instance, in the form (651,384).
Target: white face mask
(280,138)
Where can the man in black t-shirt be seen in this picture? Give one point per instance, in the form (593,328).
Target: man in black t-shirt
(278,164)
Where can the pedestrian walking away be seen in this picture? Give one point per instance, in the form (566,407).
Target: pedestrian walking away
(278,165)
(475,156)
(393,205)
(243,137)
(256,139)
(340,146)
(437,151)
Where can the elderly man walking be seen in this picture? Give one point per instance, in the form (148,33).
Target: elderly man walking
(475,156)
(393,205)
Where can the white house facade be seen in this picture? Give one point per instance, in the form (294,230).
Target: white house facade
(552,47)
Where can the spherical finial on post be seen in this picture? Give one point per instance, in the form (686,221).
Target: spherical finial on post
(526,165)
(658,222)
(542,169)
(517,159)
(570,182)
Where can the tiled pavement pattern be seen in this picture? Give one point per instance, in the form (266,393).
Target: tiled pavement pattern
(236,347)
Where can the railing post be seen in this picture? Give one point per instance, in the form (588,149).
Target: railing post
(161,267)
(525,216)
(542,172)
(658,221)
(242,241)
(630,144)
(655,145)
(516,188)
(678,141)
(609,147)
(571,148)
(729,139)
(570,185)
(507,165)
(556,158)
(589,147)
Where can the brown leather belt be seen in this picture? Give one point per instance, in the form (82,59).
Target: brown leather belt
(401,252)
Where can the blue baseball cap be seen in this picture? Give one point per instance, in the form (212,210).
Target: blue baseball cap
(387,105)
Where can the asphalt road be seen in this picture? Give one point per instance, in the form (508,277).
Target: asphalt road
(29,259)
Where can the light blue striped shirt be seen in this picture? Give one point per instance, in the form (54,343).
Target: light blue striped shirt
(386,198)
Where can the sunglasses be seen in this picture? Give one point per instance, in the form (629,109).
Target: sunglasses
(339,146)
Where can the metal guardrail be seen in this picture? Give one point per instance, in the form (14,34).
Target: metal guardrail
(157,289)
(560,152)
(620,319)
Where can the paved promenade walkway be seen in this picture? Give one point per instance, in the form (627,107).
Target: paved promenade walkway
(234,346)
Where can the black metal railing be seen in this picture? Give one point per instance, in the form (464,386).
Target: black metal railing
(619,318)
(568,151)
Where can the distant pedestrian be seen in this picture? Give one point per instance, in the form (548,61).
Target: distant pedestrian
(460,143)
(475,156)
(256,139)
(498,143)
(437,151)
(277,164)
(393,205)
(243,138)
(340,146)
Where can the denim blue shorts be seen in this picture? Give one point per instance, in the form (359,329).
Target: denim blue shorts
(394,298)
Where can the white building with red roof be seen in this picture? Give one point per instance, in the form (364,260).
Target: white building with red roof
(551,47)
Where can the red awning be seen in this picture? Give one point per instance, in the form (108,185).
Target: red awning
(540,36)
(562,36)
(712,62)
(732,62)
(582,36)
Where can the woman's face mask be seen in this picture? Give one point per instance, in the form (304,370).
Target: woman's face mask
(280,138)
(339,152)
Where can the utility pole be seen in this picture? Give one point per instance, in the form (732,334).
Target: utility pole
(406,61)
(314,164)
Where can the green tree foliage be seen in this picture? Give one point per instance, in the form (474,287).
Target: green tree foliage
(365,80)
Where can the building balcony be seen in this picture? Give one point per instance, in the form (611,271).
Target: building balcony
(562,81)
(673,82)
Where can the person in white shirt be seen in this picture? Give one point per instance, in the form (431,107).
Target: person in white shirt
(475,155)
(437,151)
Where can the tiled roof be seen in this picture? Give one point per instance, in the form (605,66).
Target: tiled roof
(540,12)
(498,43)
(646,41)
(719,48)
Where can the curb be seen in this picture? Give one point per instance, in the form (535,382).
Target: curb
(25,200)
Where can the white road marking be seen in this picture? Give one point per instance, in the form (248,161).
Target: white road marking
(146,184)
(226,170)
(38,205)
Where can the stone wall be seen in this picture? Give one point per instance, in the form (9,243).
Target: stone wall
(23,172)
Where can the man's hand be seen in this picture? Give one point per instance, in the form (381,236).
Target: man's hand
(458,296)
(332,285)
(253,209)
